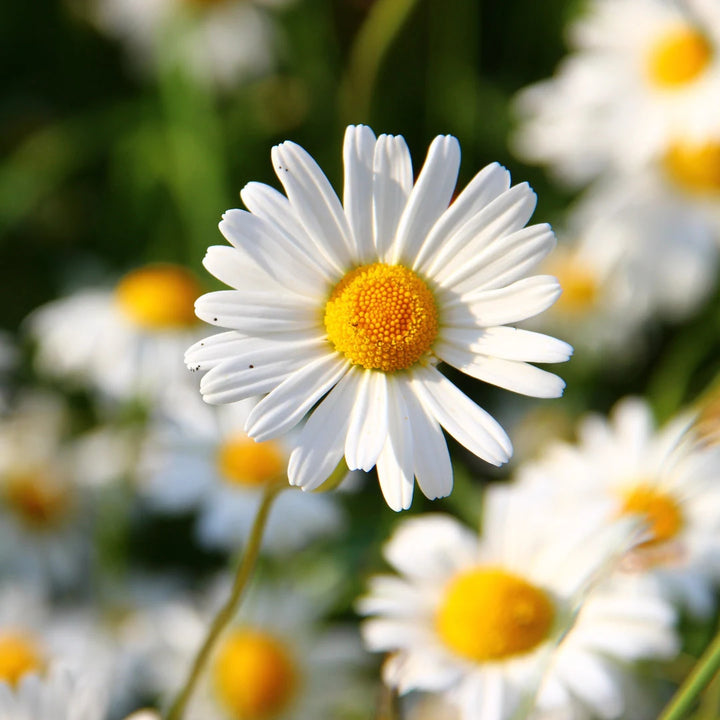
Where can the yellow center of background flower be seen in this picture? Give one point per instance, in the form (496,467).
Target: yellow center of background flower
(159,297)
(695,167)
(37,499)
(488,614)
(242,461)
(579,285)
(382,317)
(18,655)
(659,510)
(678,57)
(255,675)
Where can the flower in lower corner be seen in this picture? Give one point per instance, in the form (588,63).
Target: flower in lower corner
(480,620)
(351,306)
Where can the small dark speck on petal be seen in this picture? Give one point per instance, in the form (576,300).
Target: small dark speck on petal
(251,366)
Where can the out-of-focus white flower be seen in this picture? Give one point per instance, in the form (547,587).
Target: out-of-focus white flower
(44,518)
(126,342)
(664,477)
(351,306)
(635,257)
(478,619)
(274,660)
(218,41)
(205,461)
(644,75)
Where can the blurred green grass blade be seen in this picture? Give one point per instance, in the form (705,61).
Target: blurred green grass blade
(382,24)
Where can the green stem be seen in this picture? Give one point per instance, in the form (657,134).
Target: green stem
(228,610)
(695,683)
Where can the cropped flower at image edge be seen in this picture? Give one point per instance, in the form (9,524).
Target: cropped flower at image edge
(355,304)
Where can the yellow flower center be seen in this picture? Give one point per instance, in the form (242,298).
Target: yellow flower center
(678,57)
(382,317)
(159,297)
(695,167)
(254,675)
(488,614)
(242,461)
(18,655)
(37,499)
(579,284)
(660,511)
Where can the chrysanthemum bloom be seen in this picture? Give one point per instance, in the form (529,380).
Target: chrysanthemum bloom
(201,459)
(274,660)
(352,306)
(641,84)
(479,619)
(126,341)
(664,476)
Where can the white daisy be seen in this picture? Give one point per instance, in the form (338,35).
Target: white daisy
(206,462)
(126,342)
(44,518)
(218,41)
(478,619)
(273,661)
(635,257)
(663,476)
(644,74)
(354,305)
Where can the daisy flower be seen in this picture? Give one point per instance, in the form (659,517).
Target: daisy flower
(663,476)
(273,661)
(644,76)
(351,307)
(44,519)
(126,341)
(634,257)
(220,42)
(478,619)
(205,461)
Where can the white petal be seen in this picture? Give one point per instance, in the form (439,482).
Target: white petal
(273,207)
(503,216)
(314,202)
(358,155)
(271,251)
(286,405)
(368,421)
(428,200)
(488,184)
(392,184)
(509,343)
(513,303)
(256,312)
(509,374)
(320,445)
(237,268)
(395,463)
(468,423)
(433,468)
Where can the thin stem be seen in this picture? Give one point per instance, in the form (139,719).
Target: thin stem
(695,683)
(228,610)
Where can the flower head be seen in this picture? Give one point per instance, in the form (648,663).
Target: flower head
(352,306)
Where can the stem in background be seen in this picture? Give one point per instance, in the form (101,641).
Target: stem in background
(228,610)
(700,677)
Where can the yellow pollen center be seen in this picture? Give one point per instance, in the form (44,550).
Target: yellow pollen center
(37,499)
(382,317)
(678,57)
(254,675)
(242,461)
(488,614)
(18,655)
(660,511)
(159,297)
(695,167)
(579,285)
